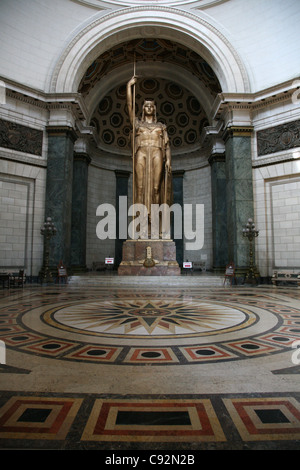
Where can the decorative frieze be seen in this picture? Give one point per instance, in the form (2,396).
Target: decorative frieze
(21,138)
(276,139)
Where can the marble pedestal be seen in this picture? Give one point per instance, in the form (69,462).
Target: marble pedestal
(163,253)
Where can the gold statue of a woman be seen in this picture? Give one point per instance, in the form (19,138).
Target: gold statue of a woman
(151,153)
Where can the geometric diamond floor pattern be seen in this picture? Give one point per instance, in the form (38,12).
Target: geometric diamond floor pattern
(151,422)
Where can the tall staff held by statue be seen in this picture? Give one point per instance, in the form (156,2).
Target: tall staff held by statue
(133,136)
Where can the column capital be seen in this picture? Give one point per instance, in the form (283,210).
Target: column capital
(212,138)
(122,174)
(237,131)
(178,173)
(57,131)
(216,157)
(62,114)
(82,156)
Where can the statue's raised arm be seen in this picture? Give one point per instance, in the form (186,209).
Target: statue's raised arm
(130,85)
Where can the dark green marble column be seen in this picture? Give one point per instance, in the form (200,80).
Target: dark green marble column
(219,211)
(178,199)
(58,203)
(239,193)
(121,190)
(79,211)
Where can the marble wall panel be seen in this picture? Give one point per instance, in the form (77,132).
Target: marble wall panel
(285,197)
(197,190)
(14,214)
(277,208)
(22,189)
(101,190)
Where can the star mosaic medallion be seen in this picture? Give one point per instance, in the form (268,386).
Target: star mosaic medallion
(163,328)
(144,317)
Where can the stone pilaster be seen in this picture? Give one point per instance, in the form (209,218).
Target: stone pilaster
(58,203)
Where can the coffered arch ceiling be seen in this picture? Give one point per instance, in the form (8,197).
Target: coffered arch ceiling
(177,78)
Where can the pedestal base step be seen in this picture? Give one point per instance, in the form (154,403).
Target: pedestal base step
(140,270)
(96,280)
(149,258)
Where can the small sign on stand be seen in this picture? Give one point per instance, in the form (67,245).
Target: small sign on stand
(109,262)
(230,273)
(62,272)
(187,265)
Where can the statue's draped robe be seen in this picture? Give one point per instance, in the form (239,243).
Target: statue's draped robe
(151,132)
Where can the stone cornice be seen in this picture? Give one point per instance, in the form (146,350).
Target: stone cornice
(27,95)
(23,158)
(108,4)
(210,133)
(254,101)
(275,159)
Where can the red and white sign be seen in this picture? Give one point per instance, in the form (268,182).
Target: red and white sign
(188,264)
(109,260)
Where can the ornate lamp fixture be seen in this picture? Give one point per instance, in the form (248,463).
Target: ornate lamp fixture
(48,230)
(250,232)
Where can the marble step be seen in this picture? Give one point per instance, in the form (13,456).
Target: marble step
(93,280)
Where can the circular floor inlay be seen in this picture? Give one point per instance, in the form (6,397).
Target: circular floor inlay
(162,327)
(144,318)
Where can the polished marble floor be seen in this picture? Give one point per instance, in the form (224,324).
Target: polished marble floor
(150,365)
